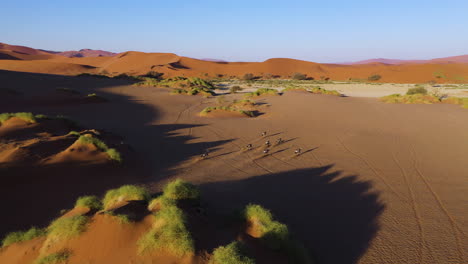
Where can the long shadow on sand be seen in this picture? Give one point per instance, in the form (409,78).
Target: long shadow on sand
(335,216)
(34,194)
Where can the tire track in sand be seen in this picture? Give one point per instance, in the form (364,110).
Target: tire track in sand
(422,242)
(453,223)
(370,167)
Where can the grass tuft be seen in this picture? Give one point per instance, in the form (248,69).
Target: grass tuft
(69,227)
(169,233)
(27,117)
(111,152)
(262,91)
(416,90)
(410,99)
(181,190)
(160,202)
(20,236)
(209,109)
(233,253)
(54,258)
(92,202)
(319,90)
(124,193)
(273,233)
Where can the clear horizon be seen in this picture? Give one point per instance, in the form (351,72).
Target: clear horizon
(335,31)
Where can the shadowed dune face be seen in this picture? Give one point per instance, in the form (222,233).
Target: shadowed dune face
(336,216)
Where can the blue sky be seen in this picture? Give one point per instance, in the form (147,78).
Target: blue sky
(322,31)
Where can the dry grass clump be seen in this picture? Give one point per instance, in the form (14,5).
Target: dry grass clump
(20,236)
(124,193)
(456,100)
(210,109)
(294,88)
(54,258)
(160,203)
(410,99)
(274,234)
(262,91)
(67,227)
(111,152)
(319,90)
(181,190)
(91,202)
(233,253)
(416,90)
(169,233)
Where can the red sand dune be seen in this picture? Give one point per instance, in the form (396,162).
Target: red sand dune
(452,69)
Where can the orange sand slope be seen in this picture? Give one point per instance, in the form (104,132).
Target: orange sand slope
(30,60)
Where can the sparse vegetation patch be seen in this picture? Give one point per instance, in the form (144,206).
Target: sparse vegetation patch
(124,193)
(263,91)
(111,152)
(54,258)
(67,227)
(234,253)
(181,190)
(410,99)
(20,236)
(210,109)
(92,202)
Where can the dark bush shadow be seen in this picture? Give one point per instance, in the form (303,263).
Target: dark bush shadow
(34,194)
(336,216)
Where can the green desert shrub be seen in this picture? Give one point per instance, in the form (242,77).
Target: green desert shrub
(68,227)
(299,76)
(90,201)
(416,90)
(273,233)
(27,117)
(233,253)
(235,89)
(114,155)
(124,193)
(181,190)
(169,233)
(20,236)
(54,258)
(263,91)
(374,77)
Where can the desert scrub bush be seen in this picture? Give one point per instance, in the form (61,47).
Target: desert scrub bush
(319,90)
(124,193)
(416,90)
(90,201)
(374,77)
(169,233)
(263,91)
(294,88)
(67,227)
(410,99)
(210,109)
(111,152)
(235,89)
(27,117)
(181,190)
(54,258)
(248,76)
(274,234)
(299,76)
(234,253)
(20,236)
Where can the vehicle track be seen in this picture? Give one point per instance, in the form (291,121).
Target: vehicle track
(370,167)
(453,223)
(422,243)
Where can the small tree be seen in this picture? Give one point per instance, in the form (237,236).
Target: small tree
(248,76)
(299,76)
(374,77)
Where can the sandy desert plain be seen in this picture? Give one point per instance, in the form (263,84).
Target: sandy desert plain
(347,177)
